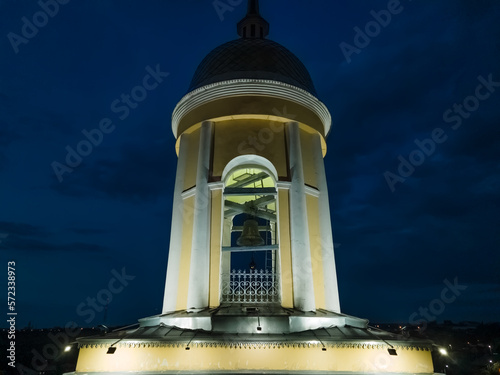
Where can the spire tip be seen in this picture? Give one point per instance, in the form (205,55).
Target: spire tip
(253,26)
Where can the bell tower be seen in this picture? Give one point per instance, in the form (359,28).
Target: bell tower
(251,282)
(250,183)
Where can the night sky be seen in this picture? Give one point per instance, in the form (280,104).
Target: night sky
(431,72)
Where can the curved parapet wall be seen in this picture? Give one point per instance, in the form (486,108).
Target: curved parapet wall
(295,356)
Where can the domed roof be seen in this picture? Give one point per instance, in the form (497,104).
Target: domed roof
(252,56)
(255,59)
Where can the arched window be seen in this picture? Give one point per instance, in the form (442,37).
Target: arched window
(249,246)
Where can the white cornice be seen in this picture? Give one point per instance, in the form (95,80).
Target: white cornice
(312,191)
(188,193)
(215,186)
(244,87)
(283,185)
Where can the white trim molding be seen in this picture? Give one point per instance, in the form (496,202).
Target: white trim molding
(215,186)
(249,161)
(249,87)
(312,191)
(188,193)
(283,185)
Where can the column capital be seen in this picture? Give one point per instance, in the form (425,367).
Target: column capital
(216,186)
(283,185)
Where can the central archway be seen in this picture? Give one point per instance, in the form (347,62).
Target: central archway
(250,249)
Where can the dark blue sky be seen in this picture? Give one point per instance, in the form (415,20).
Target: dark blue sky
(394,248)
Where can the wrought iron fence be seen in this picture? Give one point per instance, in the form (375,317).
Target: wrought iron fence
(257,286)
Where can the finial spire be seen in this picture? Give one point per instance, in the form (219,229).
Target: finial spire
(253,25)
(253,7)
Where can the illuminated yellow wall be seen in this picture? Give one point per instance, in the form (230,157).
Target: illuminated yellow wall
(248,105)
(254,357)
(306,142)
(285,255)
(316,250)
(187,236)
(193,141)
(215,247)
(235,137)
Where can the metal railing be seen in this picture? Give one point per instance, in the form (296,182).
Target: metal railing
(257,286)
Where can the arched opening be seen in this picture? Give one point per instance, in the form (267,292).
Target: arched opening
(249,272)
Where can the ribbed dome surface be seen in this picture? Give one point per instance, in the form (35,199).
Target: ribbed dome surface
(254,59)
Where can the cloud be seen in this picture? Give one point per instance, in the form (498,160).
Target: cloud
(26,237)
(16,243)
(394,92)
(88,231)
(7,136)
(138,174)
(22,229)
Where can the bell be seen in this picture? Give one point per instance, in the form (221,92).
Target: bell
(250,234)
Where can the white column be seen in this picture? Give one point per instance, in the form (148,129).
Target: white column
(175,249)
(332,302)
(199,271)
(303,287)
(226,241)
(225,268)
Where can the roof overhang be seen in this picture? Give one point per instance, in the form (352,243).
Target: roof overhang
(250,96)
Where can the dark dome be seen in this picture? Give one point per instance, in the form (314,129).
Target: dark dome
(253,59)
